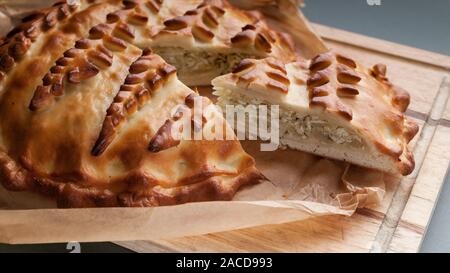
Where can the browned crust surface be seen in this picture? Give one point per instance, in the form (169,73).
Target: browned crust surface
(68,195)
(339,85)
(58,110)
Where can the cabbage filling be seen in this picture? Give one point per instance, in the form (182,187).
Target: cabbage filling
(294,125)
(200,61)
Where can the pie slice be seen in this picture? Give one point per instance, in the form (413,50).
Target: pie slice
(331,106)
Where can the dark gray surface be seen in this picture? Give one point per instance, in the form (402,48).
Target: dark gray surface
(64,248)
(417,23)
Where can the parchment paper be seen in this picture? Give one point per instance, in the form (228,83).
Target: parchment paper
(299,185)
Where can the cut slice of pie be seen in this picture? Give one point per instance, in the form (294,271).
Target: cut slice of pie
(331,106)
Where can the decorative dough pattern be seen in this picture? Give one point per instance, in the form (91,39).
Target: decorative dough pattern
(88,129)
(339,90)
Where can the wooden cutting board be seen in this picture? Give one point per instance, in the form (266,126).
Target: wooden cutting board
(397,225)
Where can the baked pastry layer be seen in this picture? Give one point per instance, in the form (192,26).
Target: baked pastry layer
(90,146)
(330,106)
(84,110)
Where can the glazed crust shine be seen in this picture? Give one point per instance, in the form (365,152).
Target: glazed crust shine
(339,85)
(338,88)
(219,24)
(82,103)
(67,154)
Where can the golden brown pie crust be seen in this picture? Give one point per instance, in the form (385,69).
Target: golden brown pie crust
(80,109)
(339,85)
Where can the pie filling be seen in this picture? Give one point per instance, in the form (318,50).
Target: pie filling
(191,62)
(295,126)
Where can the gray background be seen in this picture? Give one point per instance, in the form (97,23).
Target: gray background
(417,23)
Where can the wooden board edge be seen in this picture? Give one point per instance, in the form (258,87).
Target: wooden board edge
(392,220)
(383,46)
(434,209)
(407,224)
(419,232)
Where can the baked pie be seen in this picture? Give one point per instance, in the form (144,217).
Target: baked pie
(86,110)
(94,144)
(88,88)
(330,106)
